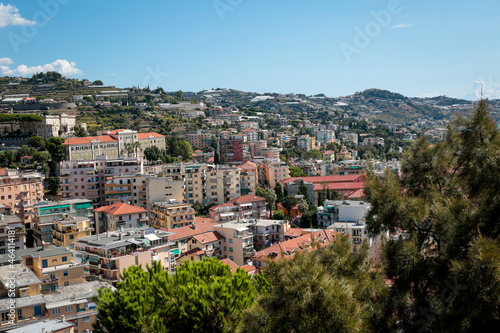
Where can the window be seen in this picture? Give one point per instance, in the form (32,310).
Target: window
(230,249)
(65,273)
(56,311)
(64,259)
(230,240)
(66,283)
(44,263)
(69,308)
(85,319)
(20,314)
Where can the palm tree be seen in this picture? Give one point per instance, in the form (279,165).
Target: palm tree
(137,146)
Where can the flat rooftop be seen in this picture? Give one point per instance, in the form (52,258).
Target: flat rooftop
(21,275)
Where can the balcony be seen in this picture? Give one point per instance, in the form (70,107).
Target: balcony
(243,234)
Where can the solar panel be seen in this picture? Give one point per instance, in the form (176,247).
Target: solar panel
(150,230)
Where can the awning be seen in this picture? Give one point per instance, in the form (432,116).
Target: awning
(152,237)
(246,204)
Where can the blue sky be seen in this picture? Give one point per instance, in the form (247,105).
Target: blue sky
(417,48)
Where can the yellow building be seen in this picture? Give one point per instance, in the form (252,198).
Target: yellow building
(276,172)
(66,231)
(171,214)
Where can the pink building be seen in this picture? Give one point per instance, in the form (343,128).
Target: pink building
(247,206)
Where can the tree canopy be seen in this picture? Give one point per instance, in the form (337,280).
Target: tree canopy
(203,296)
(445,264)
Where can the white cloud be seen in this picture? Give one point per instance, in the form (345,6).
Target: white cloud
(9,16)
(6,61)
(61,66)
(485,87)
(400,26)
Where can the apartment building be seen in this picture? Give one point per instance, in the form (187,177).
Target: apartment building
(251,132)
(238,241)
(108,254)
(200,140)
(267,233)
(275,172)
(112,144)
(306,142)
(182,235)
(171,214)
(71,309)
(256,147)
(115,216)
(45,213)
(205,245)
(325,136)
(329,157)
(20,191)
(249,177)
(87,178)
(272,154)
(67,230)
(11,227)
(247,206)
(54,266)
(165,189)
(232,150)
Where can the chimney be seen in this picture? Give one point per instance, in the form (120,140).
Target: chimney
(45,245)
(63,318)
(143,233)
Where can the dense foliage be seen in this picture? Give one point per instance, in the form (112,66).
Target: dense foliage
(445,264)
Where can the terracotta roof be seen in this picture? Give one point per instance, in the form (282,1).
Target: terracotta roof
(120,208)
(341,186)
(294,232)
(146,135)
(231,264)
(116,131)
(248,268)
(196,251)
(188,231)
(208,237)
(88,139)
(356,194)
(328,179)
(201,219)
(210,160)
(248,165)
(247,198)
(296,244)
(227,204)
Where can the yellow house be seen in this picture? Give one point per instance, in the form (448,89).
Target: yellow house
(66,231)
(54,266)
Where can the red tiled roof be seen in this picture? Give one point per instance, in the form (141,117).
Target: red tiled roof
(210,160)
(294,232)
(196,251)
(146,135)
(356,194)
(208,237)
(248,268)
(188,231)
(120,208)
(297,244)
(341,186)
(88,139)
(231,264)
(116,131)
(201,219)
(328,179)
(227,204)
(248,165)
(247,198)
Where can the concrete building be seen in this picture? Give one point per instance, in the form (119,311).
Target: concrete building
(205,245)
(116,216)
(112,144)
(199,140)
(306,142)
(249,178)
(247,206)
(256,147)
(11,226)
(46,213)
(232,150)
(163,189)
(88,178)
(275,172)
(54,266)
(108,254)
(67,230)
(325,136)
(20,191)
(238,241)
(171,214)
(267,233)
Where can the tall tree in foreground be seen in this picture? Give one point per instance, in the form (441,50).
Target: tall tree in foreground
(203,296)
(445,270)
(324,290)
